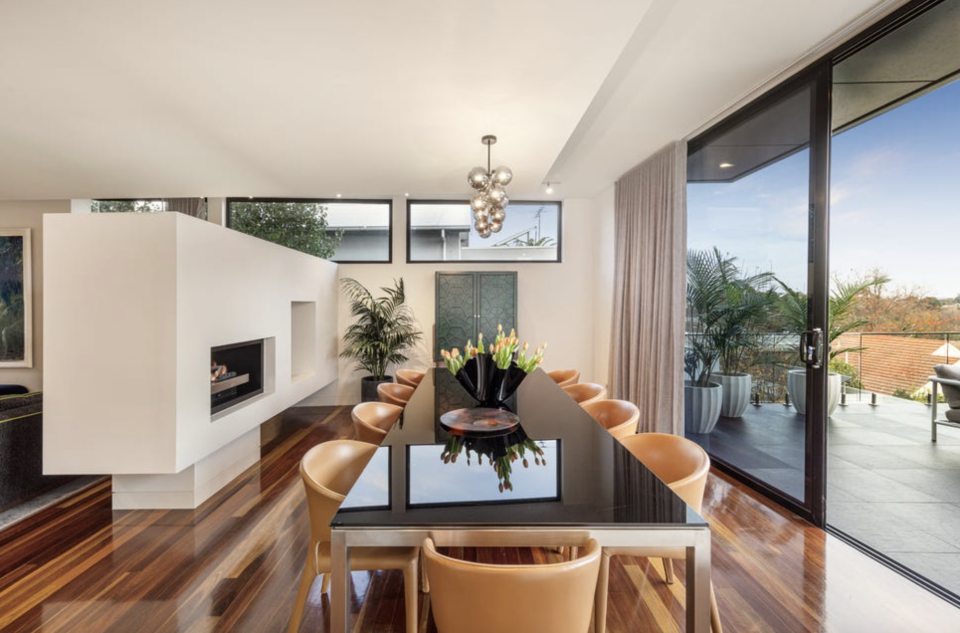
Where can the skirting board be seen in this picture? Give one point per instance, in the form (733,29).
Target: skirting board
(193,485)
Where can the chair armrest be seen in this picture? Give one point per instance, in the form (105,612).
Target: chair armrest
(944,381)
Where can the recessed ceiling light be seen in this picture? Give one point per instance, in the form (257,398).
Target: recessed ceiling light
(339,196)
(407,195)
(726,165)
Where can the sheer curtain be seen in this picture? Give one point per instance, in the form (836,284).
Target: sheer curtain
(646,346)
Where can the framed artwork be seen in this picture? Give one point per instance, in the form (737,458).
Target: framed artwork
(16,299)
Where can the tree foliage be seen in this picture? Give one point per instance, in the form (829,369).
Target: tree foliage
(126,206)
(301,226)
(887,308)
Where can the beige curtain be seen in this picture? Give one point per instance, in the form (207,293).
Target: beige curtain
(196,207)
(646,346)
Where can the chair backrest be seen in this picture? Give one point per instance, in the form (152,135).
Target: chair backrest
(586,392)
(681,463)
(619,417)
(409,377)
(392,393)
(329,471)
(564,377)
(478,598)
(372,420)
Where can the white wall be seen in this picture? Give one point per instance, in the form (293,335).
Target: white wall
(135,302)
(29,215)
(603,288)
(557,302)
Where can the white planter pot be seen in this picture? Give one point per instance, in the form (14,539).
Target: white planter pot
(797,388)
(701,407)
(835,385)
(736,393)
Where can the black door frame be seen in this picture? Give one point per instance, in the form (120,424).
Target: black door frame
(817,78)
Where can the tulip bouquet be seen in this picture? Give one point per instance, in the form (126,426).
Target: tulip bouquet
(504,350)
(501,453)
(492,374)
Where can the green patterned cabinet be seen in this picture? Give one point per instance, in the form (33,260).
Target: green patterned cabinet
(469,303)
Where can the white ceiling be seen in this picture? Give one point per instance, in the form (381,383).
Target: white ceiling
(122,98)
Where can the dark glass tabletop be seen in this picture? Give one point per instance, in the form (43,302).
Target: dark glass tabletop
(557,468)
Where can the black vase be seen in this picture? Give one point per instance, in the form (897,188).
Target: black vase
(488,384)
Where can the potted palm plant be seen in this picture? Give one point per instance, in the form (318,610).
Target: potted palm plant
(747,304)
(843,300)
(702,396)
(384,329)
(725,309)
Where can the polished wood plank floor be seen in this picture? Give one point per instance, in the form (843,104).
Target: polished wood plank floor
(234,563)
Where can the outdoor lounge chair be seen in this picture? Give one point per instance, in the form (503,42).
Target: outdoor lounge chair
(947,379)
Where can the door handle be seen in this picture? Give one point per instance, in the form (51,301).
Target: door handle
(811,347)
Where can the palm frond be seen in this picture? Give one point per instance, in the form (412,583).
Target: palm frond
(384,327)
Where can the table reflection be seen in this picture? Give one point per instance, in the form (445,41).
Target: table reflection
(372,490)
(478,470)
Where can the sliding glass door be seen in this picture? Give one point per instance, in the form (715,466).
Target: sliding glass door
(756,276)
(896,162)
(810,365)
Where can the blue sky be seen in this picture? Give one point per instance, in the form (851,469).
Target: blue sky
(895,203)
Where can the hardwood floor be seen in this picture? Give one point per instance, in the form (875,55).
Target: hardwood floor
(234,564)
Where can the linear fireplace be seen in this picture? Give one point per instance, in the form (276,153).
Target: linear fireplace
(236,374)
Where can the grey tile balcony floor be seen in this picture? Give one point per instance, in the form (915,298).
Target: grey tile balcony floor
(888,485)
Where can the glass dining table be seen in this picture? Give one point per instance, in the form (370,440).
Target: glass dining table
(555,479)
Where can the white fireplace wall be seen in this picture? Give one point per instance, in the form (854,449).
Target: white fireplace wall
(135,302)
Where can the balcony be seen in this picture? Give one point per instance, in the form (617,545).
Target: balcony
(888,485)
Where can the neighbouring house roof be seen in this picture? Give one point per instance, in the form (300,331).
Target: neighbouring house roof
(357,215)
(891,362)
(440,216)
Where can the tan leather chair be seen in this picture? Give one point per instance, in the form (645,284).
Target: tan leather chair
(585,393)
(373,420)
(328,471)
(392,393)
(619,417)
(409,377)
(564,377)
(683,465)
(477,598)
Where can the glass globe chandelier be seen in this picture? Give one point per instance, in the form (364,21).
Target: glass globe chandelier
(490,201)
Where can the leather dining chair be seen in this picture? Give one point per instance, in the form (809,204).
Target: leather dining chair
(585,393)
(393,393)
(565,377)
(373,420)
(329,471)
(479,598)
(619,417)
(409,377)
(683,465)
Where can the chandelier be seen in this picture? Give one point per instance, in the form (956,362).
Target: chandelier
(490,201)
